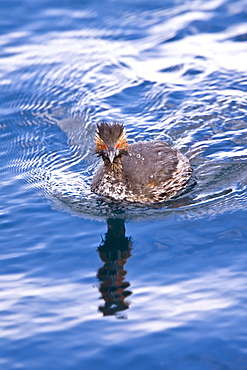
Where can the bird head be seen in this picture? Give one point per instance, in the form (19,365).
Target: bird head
(111,140)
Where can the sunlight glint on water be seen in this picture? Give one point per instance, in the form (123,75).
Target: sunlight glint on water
(85,281)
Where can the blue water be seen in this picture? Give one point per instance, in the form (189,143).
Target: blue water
(86,283)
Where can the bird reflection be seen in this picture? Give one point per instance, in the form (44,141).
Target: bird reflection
(114,251)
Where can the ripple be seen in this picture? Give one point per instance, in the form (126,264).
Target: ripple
(41,295)
(174,71)
(58,158)
(168,77)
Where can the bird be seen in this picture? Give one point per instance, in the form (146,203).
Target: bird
(145,172)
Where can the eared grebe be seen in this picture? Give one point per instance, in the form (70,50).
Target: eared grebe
(144,172)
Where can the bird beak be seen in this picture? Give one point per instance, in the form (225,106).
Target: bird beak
(111,155)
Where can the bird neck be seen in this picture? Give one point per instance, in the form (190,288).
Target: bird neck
(115,167)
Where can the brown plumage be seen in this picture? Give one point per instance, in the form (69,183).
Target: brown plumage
(144,172)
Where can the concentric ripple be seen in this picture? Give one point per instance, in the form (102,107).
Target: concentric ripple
(169,70)
(178,82)
(59,158)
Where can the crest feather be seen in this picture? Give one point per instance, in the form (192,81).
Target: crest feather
(110,135)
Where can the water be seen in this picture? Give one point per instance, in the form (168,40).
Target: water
(165,286)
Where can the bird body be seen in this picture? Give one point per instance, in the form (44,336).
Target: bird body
(144,172)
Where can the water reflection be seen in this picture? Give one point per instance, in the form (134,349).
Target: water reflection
(114,251)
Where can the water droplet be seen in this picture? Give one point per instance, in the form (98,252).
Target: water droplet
(143,159)
(138,155)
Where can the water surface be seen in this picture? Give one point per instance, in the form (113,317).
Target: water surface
(85,281)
